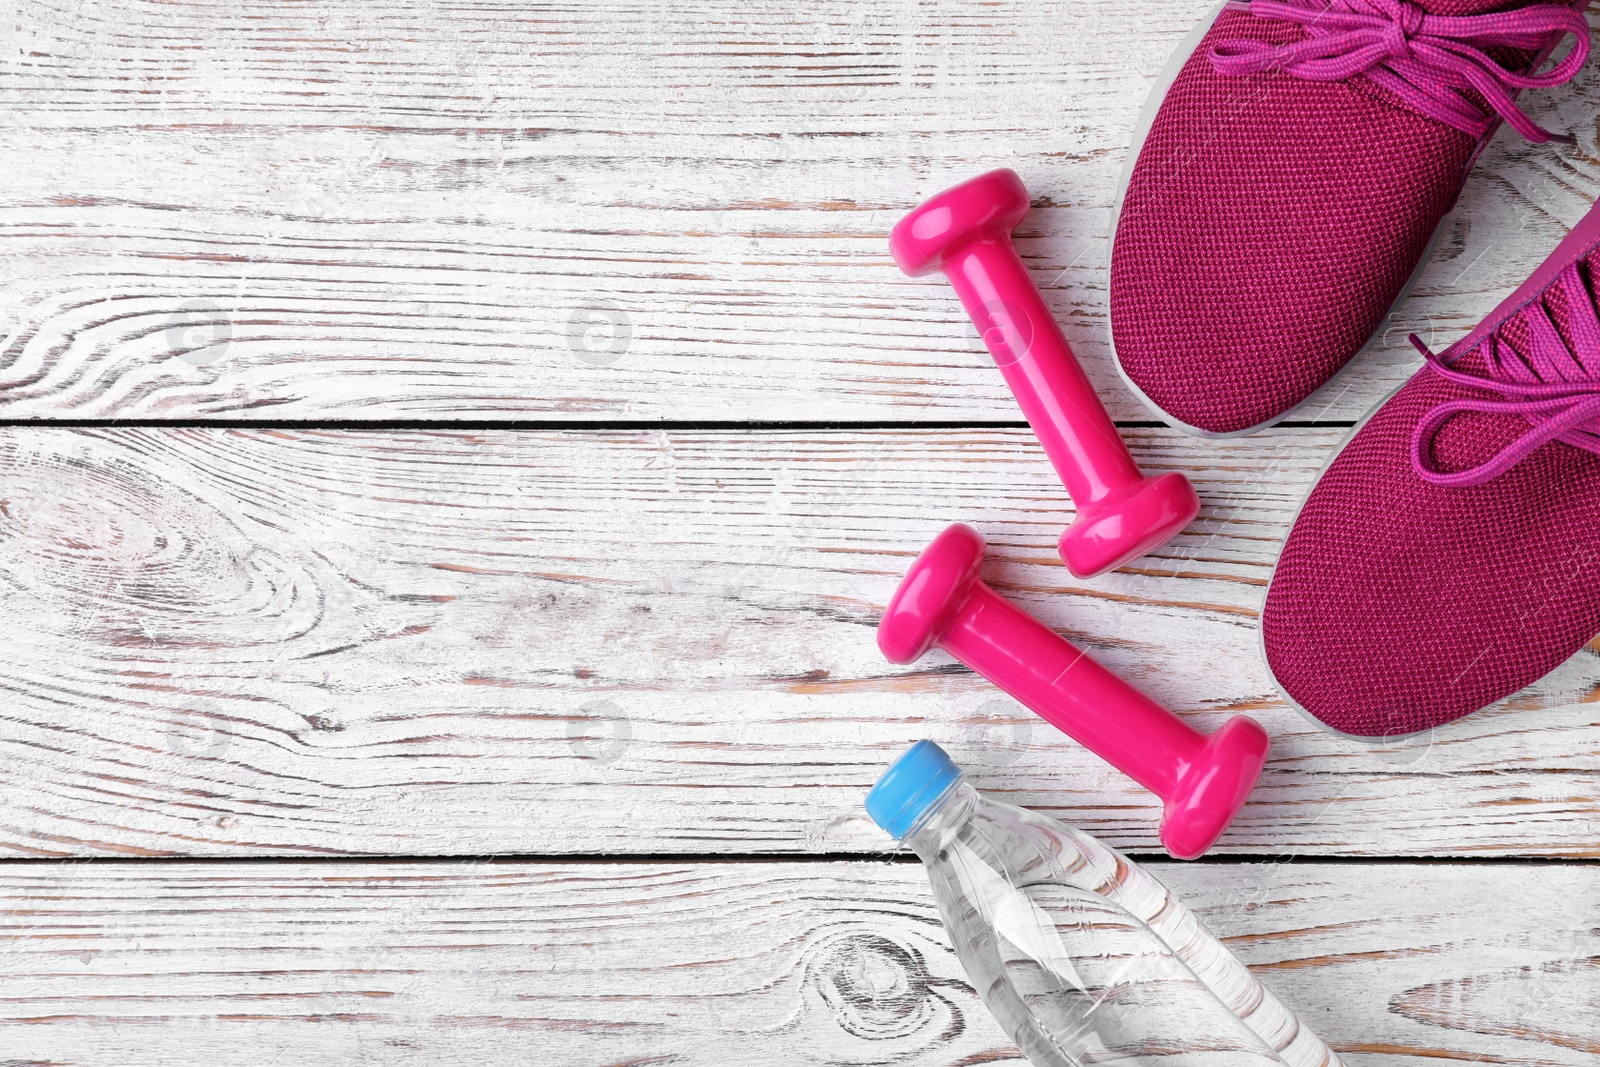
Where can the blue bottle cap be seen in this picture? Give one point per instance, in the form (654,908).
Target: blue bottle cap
(910,786)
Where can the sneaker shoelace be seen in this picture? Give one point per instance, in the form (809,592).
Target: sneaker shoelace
(1425,60)
(1555,385)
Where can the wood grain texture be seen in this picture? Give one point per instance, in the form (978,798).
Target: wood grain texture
(270,642)
(598,211)
(281,643)
(127,964)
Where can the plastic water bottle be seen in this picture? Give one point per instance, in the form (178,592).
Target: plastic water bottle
(1083,957)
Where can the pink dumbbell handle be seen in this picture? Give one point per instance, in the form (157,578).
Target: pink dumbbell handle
(1072,692)
(1041,370)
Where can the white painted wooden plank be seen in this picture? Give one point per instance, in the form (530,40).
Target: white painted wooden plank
(121,965)
(276,642)
(597,211)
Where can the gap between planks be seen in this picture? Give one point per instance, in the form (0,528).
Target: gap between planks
(653,213)
(248,642)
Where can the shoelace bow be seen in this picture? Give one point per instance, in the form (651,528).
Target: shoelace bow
(1555,386)
(1425,60)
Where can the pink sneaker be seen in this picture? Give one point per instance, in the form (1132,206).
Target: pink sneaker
(1450,554)
(1298,162)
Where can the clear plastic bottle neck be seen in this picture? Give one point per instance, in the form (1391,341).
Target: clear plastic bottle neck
(943,820)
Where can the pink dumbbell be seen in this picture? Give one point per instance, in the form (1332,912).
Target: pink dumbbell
(1202,781)
(966,233)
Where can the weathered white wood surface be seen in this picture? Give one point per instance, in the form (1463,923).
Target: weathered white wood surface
(771,965)
(276,643)
(273,642)
(597,211)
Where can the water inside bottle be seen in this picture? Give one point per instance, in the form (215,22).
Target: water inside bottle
(1085,958)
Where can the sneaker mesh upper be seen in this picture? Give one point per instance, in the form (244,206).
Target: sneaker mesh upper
(1398,605)
(1268,226)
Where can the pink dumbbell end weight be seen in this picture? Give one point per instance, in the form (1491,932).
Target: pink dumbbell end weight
(966,233)
(1202,781)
